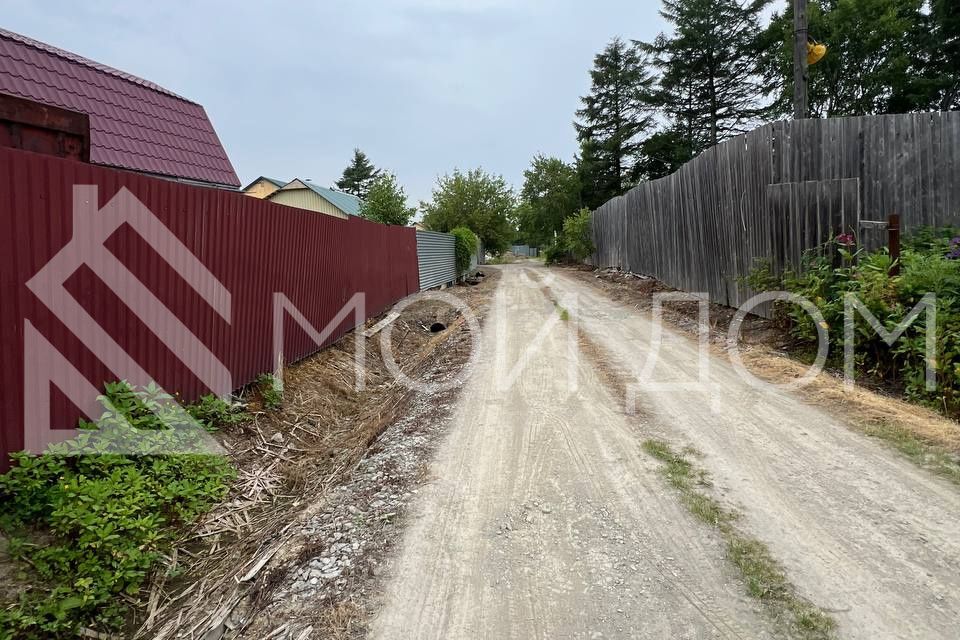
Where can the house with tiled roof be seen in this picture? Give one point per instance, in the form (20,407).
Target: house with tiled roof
(133,124)
(304,194)
(263,187)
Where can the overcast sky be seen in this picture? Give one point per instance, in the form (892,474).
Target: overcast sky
(422,86)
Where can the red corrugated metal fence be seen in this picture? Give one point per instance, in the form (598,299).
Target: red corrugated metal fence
(254,248)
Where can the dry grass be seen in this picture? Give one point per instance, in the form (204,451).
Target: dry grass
(925,437)
(343,621)
(862,405)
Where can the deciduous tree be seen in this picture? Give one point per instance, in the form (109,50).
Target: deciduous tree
(480,201)
(550,193)
(386,202)
(883,56)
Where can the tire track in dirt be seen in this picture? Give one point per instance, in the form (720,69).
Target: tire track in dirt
(580,540)
(862,532)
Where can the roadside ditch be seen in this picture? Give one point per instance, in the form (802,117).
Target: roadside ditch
(323,483)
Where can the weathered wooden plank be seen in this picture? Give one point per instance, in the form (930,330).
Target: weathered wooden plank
(778,191)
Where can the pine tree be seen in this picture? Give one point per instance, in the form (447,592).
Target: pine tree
(612,121)
(709,87)
(358,176)
(664,152)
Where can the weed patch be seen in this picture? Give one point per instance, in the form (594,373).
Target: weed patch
(765,579)
(271,391)
(830,273)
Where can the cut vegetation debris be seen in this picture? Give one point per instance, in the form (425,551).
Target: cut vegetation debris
(764,577)
(302,466)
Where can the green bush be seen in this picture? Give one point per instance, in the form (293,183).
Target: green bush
(928,263)
(92,527)
(931,239)
(556,252)
(465,246)
(212,411)
(575,243)
(577,236)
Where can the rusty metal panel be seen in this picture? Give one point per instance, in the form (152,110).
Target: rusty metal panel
(37,127)
(252,250)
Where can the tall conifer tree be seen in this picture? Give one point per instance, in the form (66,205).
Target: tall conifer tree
(358,176)
(708,86)
(612,121)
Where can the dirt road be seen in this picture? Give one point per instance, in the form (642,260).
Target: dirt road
(545,519)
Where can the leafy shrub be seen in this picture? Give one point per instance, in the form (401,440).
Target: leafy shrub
(465,246)
(931,239)
(104,519)
(557,252)
(577,235)
(271,390)
(576,241)
(212,411)
(928,264)
(762,276)
(503,258)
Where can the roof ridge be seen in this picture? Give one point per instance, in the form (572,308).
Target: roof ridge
(332,189)
(97,66)
(109,101)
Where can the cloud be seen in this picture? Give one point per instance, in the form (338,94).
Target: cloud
(423,86)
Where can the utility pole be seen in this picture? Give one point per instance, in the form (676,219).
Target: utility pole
(800,67)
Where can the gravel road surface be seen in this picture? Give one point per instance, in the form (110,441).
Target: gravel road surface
(544,518)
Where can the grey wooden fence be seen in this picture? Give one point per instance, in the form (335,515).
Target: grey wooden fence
(779,190)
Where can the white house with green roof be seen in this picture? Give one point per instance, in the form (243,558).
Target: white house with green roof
(304,194)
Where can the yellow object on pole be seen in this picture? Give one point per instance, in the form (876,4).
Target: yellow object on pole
(815,51)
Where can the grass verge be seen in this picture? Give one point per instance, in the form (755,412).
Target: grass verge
(923,453)
(764,577)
